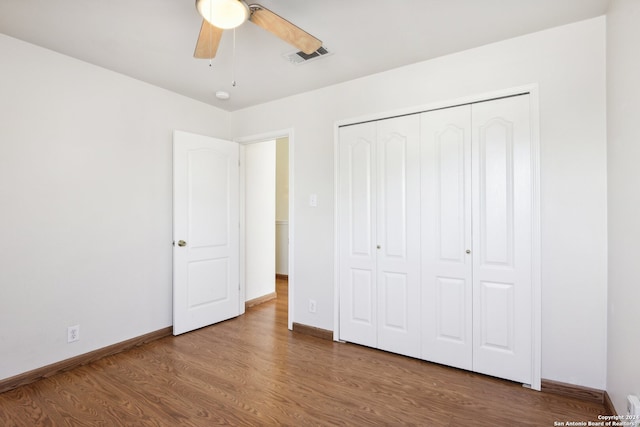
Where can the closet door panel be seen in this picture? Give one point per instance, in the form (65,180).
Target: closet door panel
(357,231)
(446,235)
(502,227)
(394,288)
(496,192)
(398,225)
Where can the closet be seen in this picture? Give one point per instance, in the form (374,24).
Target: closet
(435,224)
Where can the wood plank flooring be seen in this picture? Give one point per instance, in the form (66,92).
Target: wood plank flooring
(253,371)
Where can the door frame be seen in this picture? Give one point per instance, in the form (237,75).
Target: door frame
(536,269)
(252,139)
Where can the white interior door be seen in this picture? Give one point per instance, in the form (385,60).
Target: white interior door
(445,151)
(398,228)
(205,231)
(502,238)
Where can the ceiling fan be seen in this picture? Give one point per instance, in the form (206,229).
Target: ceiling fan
(226,14)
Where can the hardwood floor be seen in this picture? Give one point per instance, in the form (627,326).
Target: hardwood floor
(253,371)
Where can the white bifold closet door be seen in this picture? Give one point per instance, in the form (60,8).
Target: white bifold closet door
(357,198)
(476,200)
(502,238)
(435,236)
(379,224)
(447,290)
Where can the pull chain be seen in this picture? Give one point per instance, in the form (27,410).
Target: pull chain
(233,61)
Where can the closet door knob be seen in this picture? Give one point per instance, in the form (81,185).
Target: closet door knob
(378,247)
(468,251)
(182,243)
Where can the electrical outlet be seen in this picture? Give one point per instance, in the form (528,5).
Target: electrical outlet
(312,306)
(73,333)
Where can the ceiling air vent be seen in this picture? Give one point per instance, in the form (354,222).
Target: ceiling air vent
(301,57)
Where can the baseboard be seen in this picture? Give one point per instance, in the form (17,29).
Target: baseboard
(83,359)
(608,405)
(282,276)
(313,331)
(575,391)
(260,300)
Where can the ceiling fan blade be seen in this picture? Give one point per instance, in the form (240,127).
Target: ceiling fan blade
(284,29)
(208,41)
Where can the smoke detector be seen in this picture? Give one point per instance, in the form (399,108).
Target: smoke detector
(223,95)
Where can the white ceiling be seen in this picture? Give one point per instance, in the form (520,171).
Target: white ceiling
(153,40)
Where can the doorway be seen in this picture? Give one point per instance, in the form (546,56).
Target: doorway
(282,208)
(281,223)
(259,160)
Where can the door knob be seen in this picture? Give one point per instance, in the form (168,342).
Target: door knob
(182,243)
(468,251)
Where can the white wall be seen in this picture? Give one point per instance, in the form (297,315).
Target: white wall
(282,206)
(623,111)
(282,179)
(260,218)
(85,188)
(568,63)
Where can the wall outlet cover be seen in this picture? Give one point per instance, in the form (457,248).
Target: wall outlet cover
(73,333)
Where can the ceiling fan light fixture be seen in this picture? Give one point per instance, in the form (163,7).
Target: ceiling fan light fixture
(225,14)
